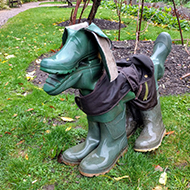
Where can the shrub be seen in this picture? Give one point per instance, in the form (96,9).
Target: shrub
(161,16)
(3,4)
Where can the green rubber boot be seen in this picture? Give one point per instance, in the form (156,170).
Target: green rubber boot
(74,155)
(151,136)
(133,119)
(153,132)
(162,48)
(113,144)
(91,70)
(80,45)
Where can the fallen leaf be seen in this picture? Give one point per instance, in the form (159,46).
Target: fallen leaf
(67,119)
(52,107)
(38,61)
(48,131)
(34,181)
(6,132)
(30,109)
(20,142)
(157,188)
(68,129)
(6,83)
(26,156)
(62,99)
(156,168)
(77,117)
(30,75)
(119,178)
(9,56)
(163,178)
(169,132)
(53,51)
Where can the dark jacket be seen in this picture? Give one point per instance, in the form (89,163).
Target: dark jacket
(136,74)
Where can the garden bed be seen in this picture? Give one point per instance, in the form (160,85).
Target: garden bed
(176,65)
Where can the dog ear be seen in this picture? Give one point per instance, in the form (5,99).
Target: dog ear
(104,46)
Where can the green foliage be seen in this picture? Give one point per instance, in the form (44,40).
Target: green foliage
(177,2)
(160,17)
(27,1)
(4,4)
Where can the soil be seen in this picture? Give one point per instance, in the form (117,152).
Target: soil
(177,64)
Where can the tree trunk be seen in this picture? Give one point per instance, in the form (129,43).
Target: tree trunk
(140,19)
(178,22)
(96,4)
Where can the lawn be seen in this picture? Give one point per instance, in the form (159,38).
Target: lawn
(32,132)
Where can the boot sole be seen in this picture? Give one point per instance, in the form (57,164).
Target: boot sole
(104,172)
(153,148)
(61,160)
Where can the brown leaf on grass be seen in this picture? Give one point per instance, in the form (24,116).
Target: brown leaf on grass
(6,83)
(20,142)
(30,109)
(156,168)
(169,132)
(6,132)
(62,99)
(77,117)
(53,51)
(15,115)
(52,107)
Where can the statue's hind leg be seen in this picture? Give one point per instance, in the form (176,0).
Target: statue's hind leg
(162,48)
(154,130)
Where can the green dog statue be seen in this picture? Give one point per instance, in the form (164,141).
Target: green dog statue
(117,96)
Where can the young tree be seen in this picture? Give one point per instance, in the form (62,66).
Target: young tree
(93,11)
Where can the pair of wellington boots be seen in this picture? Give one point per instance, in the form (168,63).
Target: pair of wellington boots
(105,143)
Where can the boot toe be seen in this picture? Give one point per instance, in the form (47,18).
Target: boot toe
(164,38)
(145,144)
(94,165)
(69,158)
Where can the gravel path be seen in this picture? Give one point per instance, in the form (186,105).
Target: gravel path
(6,14)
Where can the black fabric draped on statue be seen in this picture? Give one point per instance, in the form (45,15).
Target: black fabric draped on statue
(136,74)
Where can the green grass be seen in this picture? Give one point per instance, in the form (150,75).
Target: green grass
(30,133)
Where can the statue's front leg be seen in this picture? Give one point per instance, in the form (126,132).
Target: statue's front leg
(74,155)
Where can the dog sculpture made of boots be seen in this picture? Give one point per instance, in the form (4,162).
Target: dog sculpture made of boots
(106,91)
